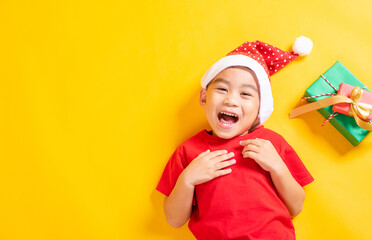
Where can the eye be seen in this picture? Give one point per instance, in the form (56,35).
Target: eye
(246,94)
(221,89)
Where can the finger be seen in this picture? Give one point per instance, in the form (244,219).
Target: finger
(225,164)
(215,154)
(250,154)
(223,172)
(252,148)
(250,141)
(245,142)
(223,157)
(261,141)
(256,141)
(203,153)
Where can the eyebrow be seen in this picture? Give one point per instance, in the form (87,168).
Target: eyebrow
(227,82)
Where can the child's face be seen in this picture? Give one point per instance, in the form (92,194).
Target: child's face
(231,102)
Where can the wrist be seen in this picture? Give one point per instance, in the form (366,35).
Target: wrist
(186,180)
(279,169)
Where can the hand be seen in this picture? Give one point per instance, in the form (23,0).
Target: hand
(207,166)
(263,152)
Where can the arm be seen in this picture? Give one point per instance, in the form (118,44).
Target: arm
(178,206)
(289,191)
(207,166)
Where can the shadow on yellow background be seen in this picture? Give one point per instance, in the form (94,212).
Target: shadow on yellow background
(314,120)
(96,95)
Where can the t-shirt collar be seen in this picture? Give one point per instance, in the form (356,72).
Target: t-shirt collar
(211,138)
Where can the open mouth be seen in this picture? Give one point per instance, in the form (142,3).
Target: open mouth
(227,119)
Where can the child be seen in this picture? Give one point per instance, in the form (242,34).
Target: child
(239,180)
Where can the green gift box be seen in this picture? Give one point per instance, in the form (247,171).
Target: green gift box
(336,75)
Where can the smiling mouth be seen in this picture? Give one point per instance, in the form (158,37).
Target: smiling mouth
(227,119)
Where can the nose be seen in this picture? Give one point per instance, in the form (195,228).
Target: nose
(230,101)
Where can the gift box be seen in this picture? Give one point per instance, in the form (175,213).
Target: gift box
(345,108)
(329,83)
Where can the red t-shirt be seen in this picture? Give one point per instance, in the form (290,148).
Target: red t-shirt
(243,204)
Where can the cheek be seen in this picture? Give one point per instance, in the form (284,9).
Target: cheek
(209,111)
(252,108)
(212,102)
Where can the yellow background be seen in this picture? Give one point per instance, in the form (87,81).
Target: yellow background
(96,95)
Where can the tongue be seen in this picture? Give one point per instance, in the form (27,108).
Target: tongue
(228,119)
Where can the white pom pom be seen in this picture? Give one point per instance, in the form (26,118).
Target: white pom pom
(302,46)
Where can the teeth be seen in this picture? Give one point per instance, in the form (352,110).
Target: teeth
(229,114)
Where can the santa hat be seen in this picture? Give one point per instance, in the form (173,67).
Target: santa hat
(264,60)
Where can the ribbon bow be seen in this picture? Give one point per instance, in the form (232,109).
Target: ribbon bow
(359,110)
(363,110)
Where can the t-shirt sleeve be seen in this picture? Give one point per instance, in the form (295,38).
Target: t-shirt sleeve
(172,170)
(296,166)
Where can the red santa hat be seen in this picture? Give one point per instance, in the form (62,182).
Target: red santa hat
(264,60)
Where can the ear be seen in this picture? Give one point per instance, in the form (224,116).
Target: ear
(203,97)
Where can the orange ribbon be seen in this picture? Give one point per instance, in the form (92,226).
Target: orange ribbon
(359,110)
